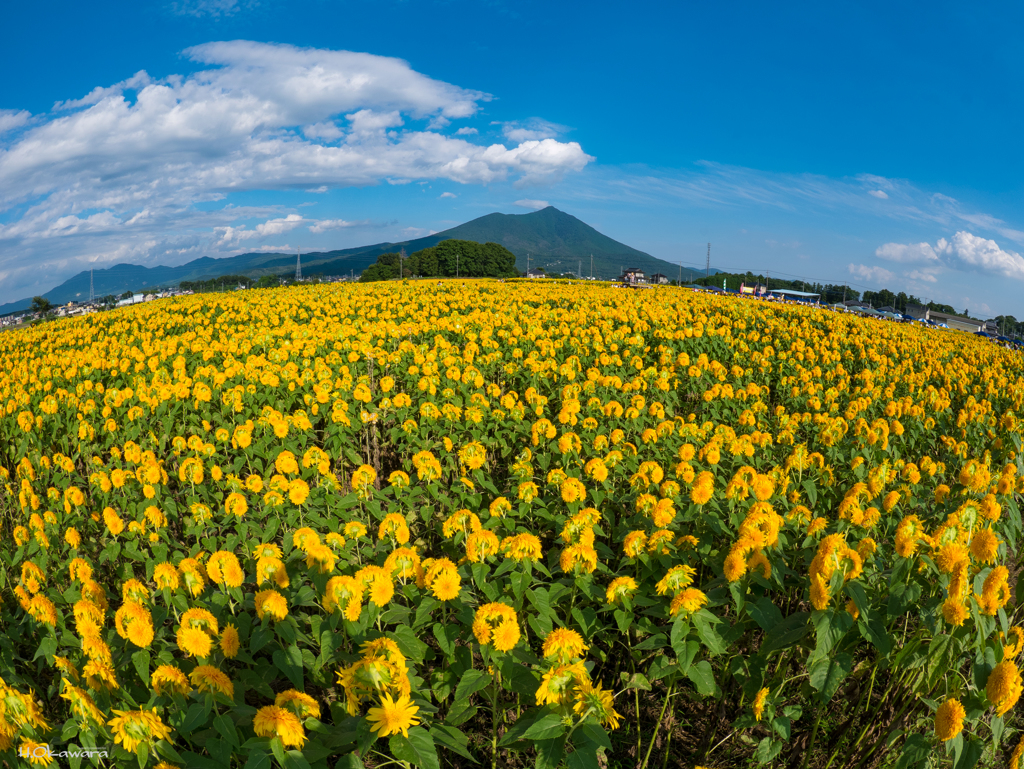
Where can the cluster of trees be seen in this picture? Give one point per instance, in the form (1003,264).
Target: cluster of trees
(448,259)
(220,283)
(1010,326)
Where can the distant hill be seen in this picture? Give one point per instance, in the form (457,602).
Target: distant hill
(559,242)
(551,239)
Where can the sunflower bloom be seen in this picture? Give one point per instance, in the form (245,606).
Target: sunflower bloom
(133,727)
(759,702)
(1003,686)
(273,721)
(393,716)
(949,720)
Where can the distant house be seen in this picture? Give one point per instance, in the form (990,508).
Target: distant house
(534,273)
(889,309)
(634,277)
(134,299)
(659,279)
(917,311)
(955,321)
(944,318)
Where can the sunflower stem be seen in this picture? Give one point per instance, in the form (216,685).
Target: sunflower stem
(668,696)
(494,719)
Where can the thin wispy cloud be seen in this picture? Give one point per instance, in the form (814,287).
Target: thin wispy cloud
(715,185)
(533,205)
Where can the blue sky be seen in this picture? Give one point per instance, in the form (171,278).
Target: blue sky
(864,142)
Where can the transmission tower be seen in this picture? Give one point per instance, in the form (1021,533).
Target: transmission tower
(298,265)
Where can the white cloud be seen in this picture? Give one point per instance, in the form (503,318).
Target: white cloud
(214,8)
(417,232)
(466,131)
(964,251)
(448,195)
(927,276)
(535,205)
(534,129)
(325,130)
(268,228)
(316,191)
(336,224)
(874,274)
(880,194)
(907,252)
(984,255)
(137,81)
(10,119)
(366,121)
(278,226)
(259,117)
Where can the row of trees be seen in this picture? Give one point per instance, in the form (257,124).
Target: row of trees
(1010,326)
(830,292)
(448,259)
(224,282)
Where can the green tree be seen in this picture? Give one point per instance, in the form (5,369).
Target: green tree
(385,268)
(41,305)
(268,281)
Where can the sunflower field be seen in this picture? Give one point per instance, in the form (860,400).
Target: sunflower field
(506,524)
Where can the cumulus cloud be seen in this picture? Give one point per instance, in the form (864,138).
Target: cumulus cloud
(466,131)
(983,255)
(325,225)
(964,251)
(447,195)
(875,274)
(326,130)
(268,228)
(907,252)
(880,194)
(257,117)
(534,205)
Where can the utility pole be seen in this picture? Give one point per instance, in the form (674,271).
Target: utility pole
(92,293)
(527,264)
(680,273)
(401,258)
(707,266)
(591,266)
(579,270)
(457,264)
(298,266)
